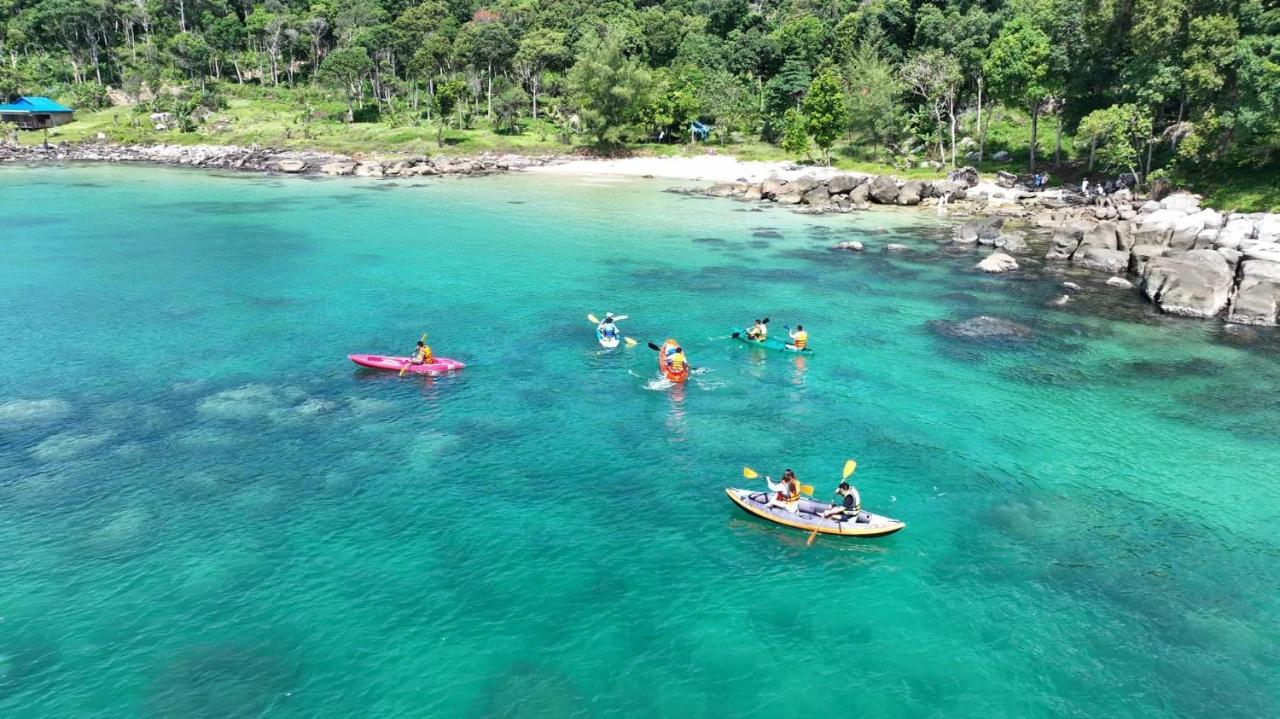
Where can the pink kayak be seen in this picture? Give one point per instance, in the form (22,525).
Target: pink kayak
(441,364)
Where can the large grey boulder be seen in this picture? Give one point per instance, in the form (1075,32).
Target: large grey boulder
(772,187)
(804,184)
(858,195)
(1194,284)
(977,230)
(1064,242)
(1140,255)
(338,168)
(1102,260)
(911,193)
(1210,219)
(1257,299)
(1181,201)
(291,166)
(1011,242)
(817,197)
(883,190)
(789,196)
(949,189)
(1257,250)
(1268,228)
(1001,156)
(1149,235)
(1185,230)
(723,189)
(1102,235)
(841,184)
(369,169)
(752,193)
(1006,179)
(996,263)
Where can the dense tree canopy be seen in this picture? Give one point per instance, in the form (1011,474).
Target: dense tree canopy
(1191,84)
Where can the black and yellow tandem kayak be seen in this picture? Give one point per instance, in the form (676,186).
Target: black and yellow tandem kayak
(808,516)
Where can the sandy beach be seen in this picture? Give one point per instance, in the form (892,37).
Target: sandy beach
(707,168)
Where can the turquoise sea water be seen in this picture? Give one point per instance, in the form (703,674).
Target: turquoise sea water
(207,511)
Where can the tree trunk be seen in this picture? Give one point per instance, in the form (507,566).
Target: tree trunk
(535,84)
(489,92)
(1093,148)
(1035,120)
(351,109)
(1057,140)
(1173,138)
(982,131)
(951,113)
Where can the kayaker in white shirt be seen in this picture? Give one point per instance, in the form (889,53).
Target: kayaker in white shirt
(785,494)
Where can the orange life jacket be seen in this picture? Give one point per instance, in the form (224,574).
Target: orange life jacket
(800,340)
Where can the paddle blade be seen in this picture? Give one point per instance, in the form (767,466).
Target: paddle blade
(592,319)
(807,489)
(630,342)
(620,318)
(749,473)
(849,466)
(654,347)
(812,536)
(764,321)
(736,335)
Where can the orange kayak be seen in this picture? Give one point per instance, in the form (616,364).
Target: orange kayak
(665,368)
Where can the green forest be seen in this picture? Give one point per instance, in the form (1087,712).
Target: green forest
(1182,88)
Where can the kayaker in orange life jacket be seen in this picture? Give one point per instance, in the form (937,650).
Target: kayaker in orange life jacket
(421,355)
(799,338)
(787,492)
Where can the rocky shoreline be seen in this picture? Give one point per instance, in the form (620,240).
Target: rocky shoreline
(255,159)
(1187,260)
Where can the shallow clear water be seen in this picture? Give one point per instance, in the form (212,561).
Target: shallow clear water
(206,510)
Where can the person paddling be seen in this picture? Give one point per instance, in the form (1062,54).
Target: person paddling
(850,504)
(676,361)
(607,327)
(758,332)
(786,493)
(422,355)
(799,338)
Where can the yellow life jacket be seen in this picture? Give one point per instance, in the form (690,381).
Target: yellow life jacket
(800,340)
(423,355)
(676,362)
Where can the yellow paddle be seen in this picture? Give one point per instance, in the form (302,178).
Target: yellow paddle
(405,368)
(849,466)
(750,473)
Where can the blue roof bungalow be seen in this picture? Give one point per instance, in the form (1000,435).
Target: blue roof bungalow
(35,113)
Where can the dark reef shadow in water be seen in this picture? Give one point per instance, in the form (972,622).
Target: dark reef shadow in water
(225,679)
(530,690)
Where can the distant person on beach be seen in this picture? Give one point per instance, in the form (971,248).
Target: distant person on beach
(1084,187)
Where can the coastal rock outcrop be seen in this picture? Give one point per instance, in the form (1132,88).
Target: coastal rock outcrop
(1194,284)
(1257,299)
(884,190)
(997,263)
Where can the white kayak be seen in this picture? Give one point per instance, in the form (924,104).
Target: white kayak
(807,516)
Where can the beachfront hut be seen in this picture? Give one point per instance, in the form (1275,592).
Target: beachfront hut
(35,113)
